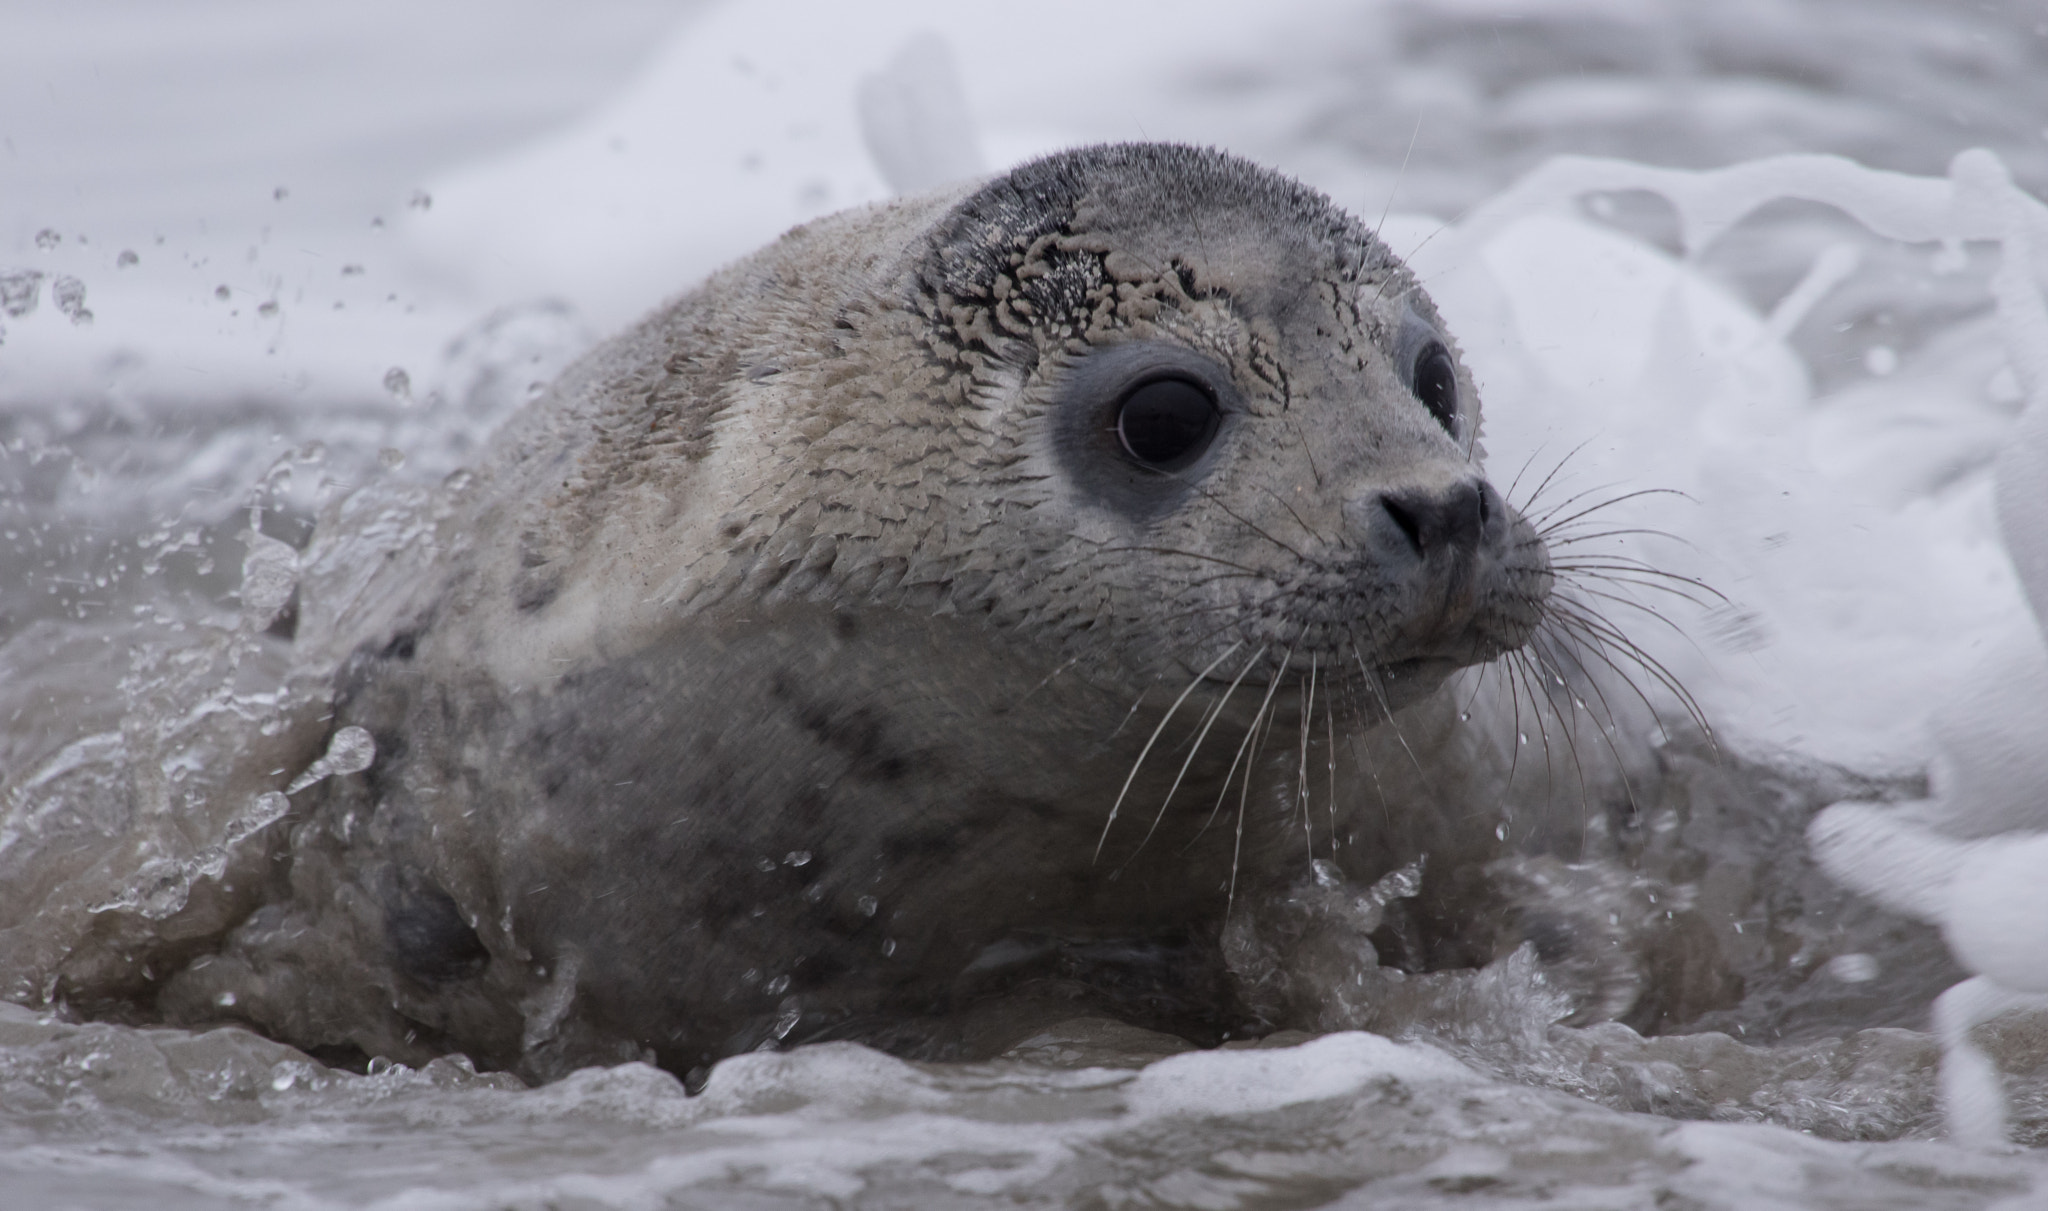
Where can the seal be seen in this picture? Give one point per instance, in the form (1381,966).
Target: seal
(960,594)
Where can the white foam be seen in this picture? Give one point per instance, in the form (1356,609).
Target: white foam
(1248,1082)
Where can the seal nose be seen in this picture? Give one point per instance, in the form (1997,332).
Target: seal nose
(1444,523)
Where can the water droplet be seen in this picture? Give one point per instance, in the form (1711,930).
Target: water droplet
(18,290)
(868,905)
(888,947)
(48,238)
(1464,716)
(786,1021)
(391,458)
(265,809)
(225,1000)
(270,571)
(1500,831)
(221,292)
(350,752)
(765,866)
(776,987)
(1522,737)
(398,383)
(798,857)
(126,258)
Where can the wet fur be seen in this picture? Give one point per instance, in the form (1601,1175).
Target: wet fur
(807,661)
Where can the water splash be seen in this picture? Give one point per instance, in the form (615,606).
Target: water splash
(19,289)
(350,752)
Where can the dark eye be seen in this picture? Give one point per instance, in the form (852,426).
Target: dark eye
(1434,380)
(1167,423)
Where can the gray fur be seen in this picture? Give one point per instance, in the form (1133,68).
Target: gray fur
(777,673)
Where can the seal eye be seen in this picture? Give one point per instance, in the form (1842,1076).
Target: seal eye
(1165,424)
(1434,380)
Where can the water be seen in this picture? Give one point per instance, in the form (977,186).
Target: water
(179,468)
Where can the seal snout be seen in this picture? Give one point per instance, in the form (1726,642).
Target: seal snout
(1445,549)
(1446,524)
(1429,531)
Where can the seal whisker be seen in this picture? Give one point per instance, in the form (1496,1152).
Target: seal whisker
(1553,540)
(1585,675)
(1606,732)
(1308,452)
(1243,745)
(1515,721)
(1546,520)
(1585,589)
(1527,683)
(1645,577)
(1154,739)
(1196,748)
(1549,522)
(1516,483)
(1387,710)
(1399,173)
(1308,706)
(1537,669)
(1543,707)
(1536,493)
(1212,498)
(1245,792)
(1568,631)
(1311,530)
(1330,763)
(1047,679)
(1583,620)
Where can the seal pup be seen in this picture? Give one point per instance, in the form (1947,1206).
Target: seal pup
(918,608)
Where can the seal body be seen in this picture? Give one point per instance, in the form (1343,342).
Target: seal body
(959,593)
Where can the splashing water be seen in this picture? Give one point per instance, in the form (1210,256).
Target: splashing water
(1829,360)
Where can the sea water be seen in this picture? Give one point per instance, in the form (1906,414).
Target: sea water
(219,392)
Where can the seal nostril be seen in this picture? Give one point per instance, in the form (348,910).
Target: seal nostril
(1404,520)
(1453,519)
